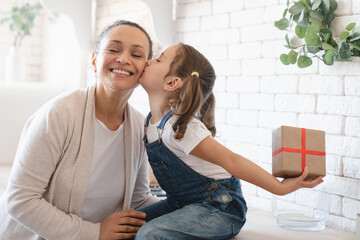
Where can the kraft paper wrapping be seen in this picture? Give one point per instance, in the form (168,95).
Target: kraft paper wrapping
(289,164)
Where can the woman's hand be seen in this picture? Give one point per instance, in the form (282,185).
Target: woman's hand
(293,184)
(121,225)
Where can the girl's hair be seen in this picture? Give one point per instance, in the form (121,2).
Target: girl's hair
(195,96)
(118,23)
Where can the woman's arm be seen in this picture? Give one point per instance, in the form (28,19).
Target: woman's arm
(40,149)
(212,151)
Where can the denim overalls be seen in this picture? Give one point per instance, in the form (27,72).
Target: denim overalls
(196,207)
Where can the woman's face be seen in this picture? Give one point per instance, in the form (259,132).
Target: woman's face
(121,58)
(154,76)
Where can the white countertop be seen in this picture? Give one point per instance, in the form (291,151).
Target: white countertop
(261,225)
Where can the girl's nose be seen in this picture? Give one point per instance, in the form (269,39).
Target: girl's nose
(149,62)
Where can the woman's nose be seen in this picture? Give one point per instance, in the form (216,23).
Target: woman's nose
(123,58)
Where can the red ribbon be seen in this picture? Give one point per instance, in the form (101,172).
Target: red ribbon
(303,151)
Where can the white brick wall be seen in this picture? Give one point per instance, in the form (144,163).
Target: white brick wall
(257,93)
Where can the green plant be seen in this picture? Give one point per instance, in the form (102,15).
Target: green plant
(313,37)
(21,20)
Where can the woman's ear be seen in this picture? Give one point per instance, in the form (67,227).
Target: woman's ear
(93,61)
(172,83)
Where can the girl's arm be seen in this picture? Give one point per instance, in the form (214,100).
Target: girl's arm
(212,151)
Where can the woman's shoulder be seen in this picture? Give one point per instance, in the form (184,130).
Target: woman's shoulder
(67,104)
(72,98)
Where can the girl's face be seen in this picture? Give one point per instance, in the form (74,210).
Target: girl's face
(122,57)
(154,77)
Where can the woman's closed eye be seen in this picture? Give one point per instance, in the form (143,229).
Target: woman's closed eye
(112,50)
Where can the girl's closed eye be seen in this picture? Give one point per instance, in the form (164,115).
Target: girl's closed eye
(158,60)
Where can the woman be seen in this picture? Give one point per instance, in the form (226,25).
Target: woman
(81,166)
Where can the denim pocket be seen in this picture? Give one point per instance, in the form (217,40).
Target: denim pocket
(164,176)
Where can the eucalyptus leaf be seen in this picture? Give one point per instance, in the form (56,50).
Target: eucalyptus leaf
(325,6)
(282,24)
(344,50)
(316,4)
(287,40)
(304,22)
(296,8)
(338,59)
(333,43)
(317,15)
(354,46)
(284,59)
(326,37)
(343,35)
(292,56)
(304,61)
(333,5)
(301,18)
(300,31)
(328,57)
(306,4)
(355,37)
(312,50)
(350,26)
(285,12)
(356,52)
(312,39)
(329,18)
(327,46)
(315,26)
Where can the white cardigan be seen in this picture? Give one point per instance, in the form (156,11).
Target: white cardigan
(49,178)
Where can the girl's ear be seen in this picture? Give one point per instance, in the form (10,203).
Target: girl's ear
(172,83)
(93,61)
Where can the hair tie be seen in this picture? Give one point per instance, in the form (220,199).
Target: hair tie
(195,74)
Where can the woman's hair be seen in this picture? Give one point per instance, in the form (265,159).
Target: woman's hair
(118,23)
(195,96)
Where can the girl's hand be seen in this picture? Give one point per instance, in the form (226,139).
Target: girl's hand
(121,225)
(293,184)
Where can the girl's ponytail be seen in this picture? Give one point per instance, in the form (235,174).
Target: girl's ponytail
(207,113)
(187,105)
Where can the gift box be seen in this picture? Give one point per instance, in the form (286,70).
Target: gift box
(294,148)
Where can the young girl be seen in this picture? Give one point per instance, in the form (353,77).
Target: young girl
(200,176)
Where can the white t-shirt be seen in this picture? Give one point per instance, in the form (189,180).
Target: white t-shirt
(106,186)
(196,131)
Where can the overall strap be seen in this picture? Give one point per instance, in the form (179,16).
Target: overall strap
(164,119)
(147,120)
(146,126)
(160,128)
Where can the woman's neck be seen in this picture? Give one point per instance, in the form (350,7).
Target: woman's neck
(110,107)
